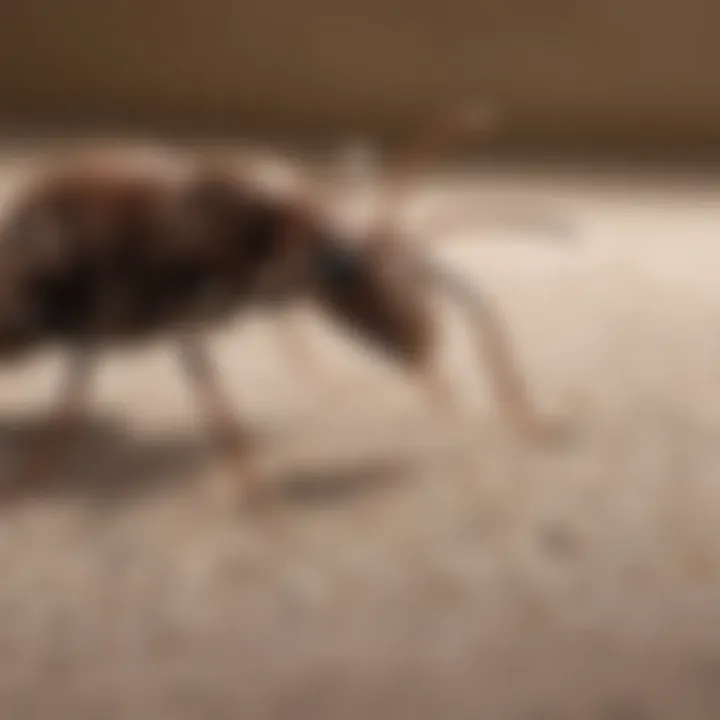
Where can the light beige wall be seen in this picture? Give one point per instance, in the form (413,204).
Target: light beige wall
(565,68)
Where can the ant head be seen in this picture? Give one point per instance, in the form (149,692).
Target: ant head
(379,294)
(376,286)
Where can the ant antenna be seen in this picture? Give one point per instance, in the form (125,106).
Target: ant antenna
(470,120)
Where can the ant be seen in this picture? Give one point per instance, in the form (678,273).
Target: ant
(106,247)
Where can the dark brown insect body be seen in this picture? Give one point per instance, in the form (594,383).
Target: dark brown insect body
(105,251)
(106,255)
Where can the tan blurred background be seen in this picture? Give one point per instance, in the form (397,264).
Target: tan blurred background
(621,74)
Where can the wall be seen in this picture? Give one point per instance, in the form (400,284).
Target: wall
(569,70)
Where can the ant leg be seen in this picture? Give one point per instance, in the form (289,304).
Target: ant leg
(493,339)
(50,448)
(510,383)
(227,434)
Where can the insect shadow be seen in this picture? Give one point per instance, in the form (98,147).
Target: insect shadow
(114,465)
